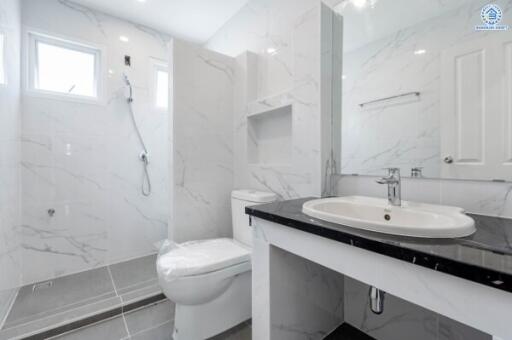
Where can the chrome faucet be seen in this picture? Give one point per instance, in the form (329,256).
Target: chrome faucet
(393,181)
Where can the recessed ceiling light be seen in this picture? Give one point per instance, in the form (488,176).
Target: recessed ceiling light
(343,77)
(420,52)
(360,3)
(124,38)
(141,1)
(271,50)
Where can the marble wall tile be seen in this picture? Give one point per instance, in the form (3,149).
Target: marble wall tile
(82,159)
(283,67)
(478,197)
(372,139)
(202,133)
(10,209)
(452,330)
(284,63)
(401,319)
(306,299)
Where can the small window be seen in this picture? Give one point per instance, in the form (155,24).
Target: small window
(63,67)
(162,89)
(161,84)
(3,79)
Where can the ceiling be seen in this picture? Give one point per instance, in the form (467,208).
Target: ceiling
(380,18)
(192,20)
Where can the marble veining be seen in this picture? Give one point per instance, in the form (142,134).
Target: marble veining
(202,147)
(478,197)
(283,67)
(389,66)
(10,194)
(82,160)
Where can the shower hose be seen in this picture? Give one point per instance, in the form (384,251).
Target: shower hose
(146,180)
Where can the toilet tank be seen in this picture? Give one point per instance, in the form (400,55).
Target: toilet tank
(242,232)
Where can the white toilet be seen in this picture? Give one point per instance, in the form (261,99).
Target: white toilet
(210,280)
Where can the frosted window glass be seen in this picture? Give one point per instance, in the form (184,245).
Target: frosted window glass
(65,70)
(162,89)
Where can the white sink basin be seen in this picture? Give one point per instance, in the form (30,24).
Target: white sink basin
(375,214)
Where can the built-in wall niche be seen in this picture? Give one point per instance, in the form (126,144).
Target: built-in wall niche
(269,137)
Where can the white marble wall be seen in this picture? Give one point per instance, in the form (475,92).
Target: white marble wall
(10,255)
(401,318)
(82,159)
(479,197)
(403,133)
(279,51)
(293,298)
(202,143)
(283,64)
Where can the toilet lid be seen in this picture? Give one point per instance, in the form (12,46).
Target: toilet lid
(201,257)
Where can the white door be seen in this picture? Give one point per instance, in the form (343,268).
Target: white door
(476,121)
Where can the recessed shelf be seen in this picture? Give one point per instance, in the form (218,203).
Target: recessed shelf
(268,104)
(268,110)
(269,136)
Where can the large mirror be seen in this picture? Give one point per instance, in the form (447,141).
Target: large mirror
(427,88)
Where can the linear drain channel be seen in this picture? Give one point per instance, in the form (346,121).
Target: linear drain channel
(42,285)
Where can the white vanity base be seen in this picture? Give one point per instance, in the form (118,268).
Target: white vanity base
(484,308)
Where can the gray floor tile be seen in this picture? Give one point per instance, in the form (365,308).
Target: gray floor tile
(142,293)
(41,324)
(67,293)
(240,332)
(134,274)
(150,316)
(74,297)
(112,329)
(162,332)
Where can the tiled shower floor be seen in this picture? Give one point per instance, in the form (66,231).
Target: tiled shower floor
(154,322)
(51,304)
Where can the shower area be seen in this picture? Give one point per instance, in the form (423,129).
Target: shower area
(84,164)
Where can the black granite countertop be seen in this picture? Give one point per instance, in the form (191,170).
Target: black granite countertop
(484,257)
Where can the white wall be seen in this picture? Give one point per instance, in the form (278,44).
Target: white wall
(290,73)
(371,72)
(82,159)
(10,256)
(202,156)
(403,133)
(265,81)
(485,198)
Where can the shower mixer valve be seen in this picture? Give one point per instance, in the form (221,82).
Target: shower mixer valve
(144,157)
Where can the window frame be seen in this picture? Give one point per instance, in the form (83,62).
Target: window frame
(156,66)
(33,37)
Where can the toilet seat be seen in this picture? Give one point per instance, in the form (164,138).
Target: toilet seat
(201,257)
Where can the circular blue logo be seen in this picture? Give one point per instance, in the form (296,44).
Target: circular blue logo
(491,14)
